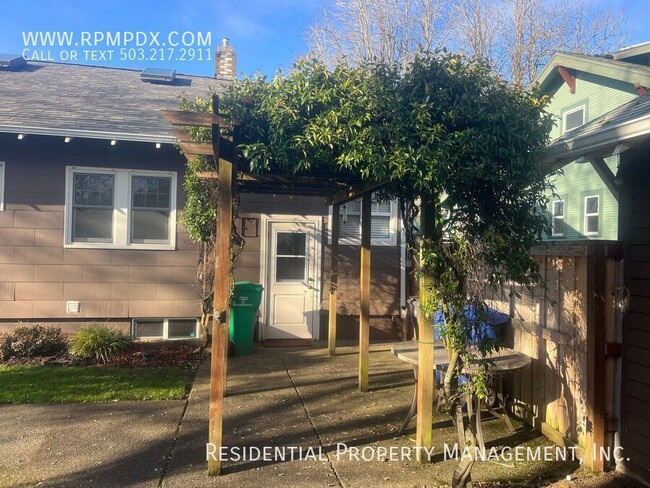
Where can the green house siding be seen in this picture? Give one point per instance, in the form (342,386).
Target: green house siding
(599,95)
(579,181)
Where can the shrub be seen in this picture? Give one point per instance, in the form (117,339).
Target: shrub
(30,341)
(99,342)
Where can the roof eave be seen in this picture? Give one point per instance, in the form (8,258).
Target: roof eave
(597,144)
(88,134)
(629,72)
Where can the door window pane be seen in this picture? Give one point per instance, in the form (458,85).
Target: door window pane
(291,243)
(290,268)
(291,260)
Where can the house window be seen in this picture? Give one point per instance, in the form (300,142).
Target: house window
(167,329)
(557,223)
(592,215)
(571,119)
(150,209)
(92,207)
(120,208)
(2,186)
(383,228)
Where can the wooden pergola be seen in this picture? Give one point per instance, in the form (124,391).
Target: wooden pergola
(337,188)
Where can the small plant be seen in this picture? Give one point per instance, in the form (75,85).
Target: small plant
(99,342)
(30,341)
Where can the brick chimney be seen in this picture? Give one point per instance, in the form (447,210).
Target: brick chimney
(225,61)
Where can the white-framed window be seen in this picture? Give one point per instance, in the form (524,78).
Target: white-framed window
(120,208)
(383,228)
(572,119)
(557,222)
(592,215)
(2,186)
(166,329)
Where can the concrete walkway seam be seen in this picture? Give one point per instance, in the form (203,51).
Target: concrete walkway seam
(170,452)
(320,441)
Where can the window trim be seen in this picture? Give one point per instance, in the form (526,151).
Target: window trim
(582,107)
(2,186)
(391,240)
(122,214)
(586,215)
(165,336)
(553,217)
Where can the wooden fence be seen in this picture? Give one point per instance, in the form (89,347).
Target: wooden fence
(569,329)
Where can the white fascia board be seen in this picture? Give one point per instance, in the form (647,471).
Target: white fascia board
(88,134)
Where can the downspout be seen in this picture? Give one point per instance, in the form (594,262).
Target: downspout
(618,365)
(402,269)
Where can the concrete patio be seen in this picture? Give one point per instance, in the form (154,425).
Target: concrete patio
(288,398)
(301,398)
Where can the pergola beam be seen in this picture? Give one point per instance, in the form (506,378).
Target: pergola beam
(354,191)
(196,148)
(364,284)
(195,119)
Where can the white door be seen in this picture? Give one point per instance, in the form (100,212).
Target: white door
(291,291)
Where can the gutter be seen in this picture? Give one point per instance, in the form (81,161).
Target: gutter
(88,134)
(597,143)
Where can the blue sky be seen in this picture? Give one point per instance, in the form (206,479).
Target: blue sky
(267,34)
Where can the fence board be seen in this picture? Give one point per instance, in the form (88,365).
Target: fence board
(550,325)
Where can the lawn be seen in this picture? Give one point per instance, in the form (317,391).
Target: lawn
(50,384)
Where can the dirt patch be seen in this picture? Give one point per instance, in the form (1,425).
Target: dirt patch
(139,355)
(579,479)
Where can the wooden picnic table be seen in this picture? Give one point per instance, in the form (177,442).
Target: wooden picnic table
(504,361)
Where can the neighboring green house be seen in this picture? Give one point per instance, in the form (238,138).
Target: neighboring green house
(583,88)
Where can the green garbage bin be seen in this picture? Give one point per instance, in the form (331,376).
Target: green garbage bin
(243,313)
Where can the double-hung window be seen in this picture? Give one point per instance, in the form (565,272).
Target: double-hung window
(592,215)
(557,223)
(383,228)
(120,208)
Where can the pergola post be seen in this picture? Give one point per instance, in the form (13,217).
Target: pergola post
(426,365)
(334,273)
(219,357)
(364,283)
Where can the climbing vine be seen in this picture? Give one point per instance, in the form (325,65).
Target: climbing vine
(444,129)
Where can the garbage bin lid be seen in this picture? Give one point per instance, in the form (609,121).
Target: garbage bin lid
(247,286)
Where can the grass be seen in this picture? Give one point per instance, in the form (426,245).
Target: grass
(54,384)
